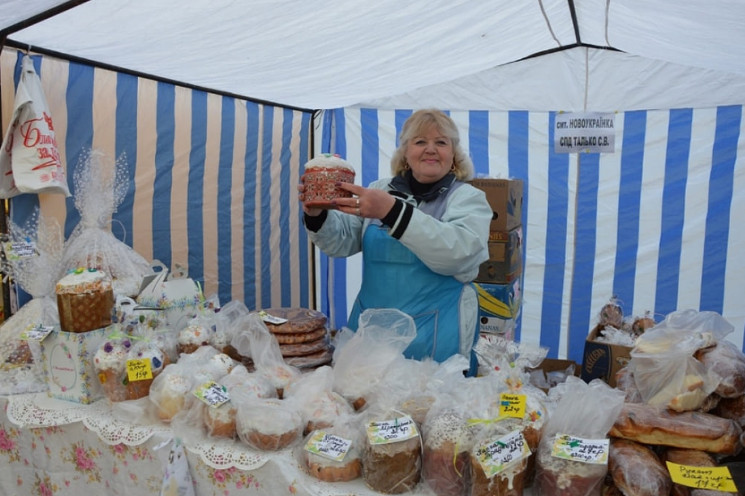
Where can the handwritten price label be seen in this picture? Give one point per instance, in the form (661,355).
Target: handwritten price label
(328,445)
(271,319)
(512,405)
(496,456)
(580,449)
(36,332)
(139,369)
(212,393)
(391,431)
(17,250)
(712,478)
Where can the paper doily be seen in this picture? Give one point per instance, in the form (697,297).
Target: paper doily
(40,410)
(221,454)
(113,431)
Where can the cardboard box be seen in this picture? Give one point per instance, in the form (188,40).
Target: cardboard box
(499,308)
(505,257)
(553,371)
(506,199)
(603,360)
(67,361)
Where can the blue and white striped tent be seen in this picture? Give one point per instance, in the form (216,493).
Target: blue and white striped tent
(217,109)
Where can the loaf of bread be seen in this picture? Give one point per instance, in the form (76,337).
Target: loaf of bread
(727,361)
(636,469)
(691,430)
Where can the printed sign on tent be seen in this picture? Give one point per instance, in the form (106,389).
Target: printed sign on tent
(585,132)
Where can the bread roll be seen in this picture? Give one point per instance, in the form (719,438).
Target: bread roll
(692,430)
(637,470)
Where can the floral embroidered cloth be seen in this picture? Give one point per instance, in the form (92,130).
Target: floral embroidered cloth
(54,447)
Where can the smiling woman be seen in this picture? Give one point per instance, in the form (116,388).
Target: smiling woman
(423,234)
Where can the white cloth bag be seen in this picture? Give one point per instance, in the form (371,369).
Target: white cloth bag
(29,159)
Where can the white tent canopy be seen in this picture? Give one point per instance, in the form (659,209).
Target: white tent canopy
(320,54)
(656,221)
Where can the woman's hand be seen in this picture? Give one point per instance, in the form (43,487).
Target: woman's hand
(312,212)
(366,202)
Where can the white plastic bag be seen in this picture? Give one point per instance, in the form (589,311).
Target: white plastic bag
(29,159)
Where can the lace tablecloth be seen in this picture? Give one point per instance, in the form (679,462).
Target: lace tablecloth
(54,447)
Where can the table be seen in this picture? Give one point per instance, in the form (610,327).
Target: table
(55,447)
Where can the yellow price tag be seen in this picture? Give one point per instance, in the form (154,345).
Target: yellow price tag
(512,405)
(139,369)
(713,478)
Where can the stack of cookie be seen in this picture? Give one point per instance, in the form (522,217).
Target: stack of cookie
(302,336)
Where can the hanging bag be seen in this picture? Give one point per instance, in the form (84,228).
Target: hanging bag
(29,159)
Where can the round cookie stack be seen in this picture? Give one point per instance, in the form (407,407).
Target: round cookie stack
(303,337)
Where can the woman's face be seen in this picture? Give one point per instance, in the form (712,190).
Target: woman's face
(429,155)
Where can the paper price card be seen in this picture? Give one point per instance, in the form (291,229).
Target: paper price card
(36,332)
(328,445)
(391,431)
(17,250)
(712,478)
(212,393)
(581,450)
(271,319)
(139,369)
(495,456)
(512,405)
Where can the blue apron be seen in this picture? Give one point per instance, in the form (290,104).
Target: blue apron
(395,278)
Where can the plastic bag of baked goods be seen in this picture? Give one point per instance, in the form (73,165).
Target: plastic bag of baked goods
(333,453)
(362,361)
(268,424)
(572,455)
(663,363)
(33,254)
(257,342)
(320,406)
(392,453)
(100,185)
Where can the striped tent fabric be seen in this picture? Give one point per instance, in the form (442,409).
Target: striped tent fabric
(653,224)
(209,176)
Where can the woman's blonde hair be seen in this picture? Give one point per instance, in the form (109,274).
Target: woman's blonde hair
(416,125)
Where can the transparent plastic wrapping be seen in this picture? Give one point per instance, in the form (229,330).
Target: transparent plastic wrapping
(334,453)
(268,424)
(363,359)
(33,259)
(663,363)
(583,411)
(257,342)
(100,185)
(392,454)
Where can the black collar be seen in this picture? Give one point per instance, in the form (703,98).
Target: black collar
(406,184)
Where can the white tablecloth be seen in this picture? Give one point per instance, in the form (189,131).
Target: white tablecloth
(54,447)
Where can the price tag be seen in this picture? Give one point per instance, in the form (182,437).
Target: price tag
(712,478)
(495,456)
(271,319)
(139,369)
(212,393)
(36,332)
(328,445)
(391,431)
(512,405)
(580,449)
(17,250)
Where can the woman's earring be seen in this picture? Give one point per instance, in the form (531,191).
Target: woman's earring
(452,167)
(406,165)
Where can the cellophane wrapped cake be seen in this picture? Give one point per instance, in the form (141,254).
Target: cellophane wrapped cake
(33,254)
(100,185)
